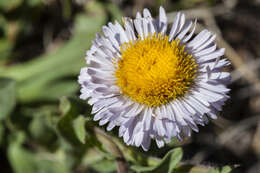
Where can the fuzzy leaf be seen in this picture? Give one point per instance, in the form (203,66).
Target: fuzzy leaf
(2,131)
(7,97)
(65,124)
(168,163)
(5,48)
(105,166)
(79,128)
(20,160)
(23,160)
(226,169)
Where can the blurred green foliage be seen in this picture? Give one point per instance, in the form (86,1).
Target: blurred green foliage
(7,97)
(44,128)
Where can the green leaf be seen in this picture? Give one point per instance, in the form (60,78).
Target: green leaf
(168,163)
(20,160)
(65,105)
(175,158)
(140,169)
(72,126)
(43,74)
(189,168)
(79,128)
(40,129)
(2,131)
(65,124)
(105,166)
(33,3)
(116,13)
(214,171)
(59,89)
(10,4)
(7,97)
(23,160)
(95,8)
(5,48)
(226,169)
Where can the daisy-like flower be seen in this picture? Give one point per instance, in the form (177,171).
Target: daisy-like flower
(152,81)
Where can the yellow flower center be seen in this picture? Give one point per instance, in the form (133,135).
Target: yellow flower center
(155,71)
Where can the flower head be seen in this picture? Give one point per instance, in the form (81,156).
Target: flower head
(153,81)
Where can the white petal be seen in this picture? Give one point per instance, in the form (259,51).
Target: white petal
(163,111)
(145,27)
(200,99)
(162,20)
(210,93)
(139,27)
(111,36)
(139,138)
(146,13)
(129,129)
(123,37)
(160,143)
(102,66)
(204,96)
(138,15)
(100,72)
(215,88)
(182,22)
(217,106)
(212,115)
(213,65)
(170,127)
(135,110)
(146,142)
(159,127)
(211,56)
(148,117)
(217,76)
(92,100)
(151,27)
(103,103)
(105,118)
(105,42)
(148,22)
(188,108)
(139,124)
(199,39)
(206,51)
(186,130)
(178,114)
(129,27)
(174,28)
(188,37)
(208,42)
(184,30)
(102,58)
(122,130)
(110,126)
(169,110)
(85,93)
(197,106)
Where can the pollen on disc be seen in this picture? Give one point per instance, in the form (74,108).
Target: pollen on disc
(154,71)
